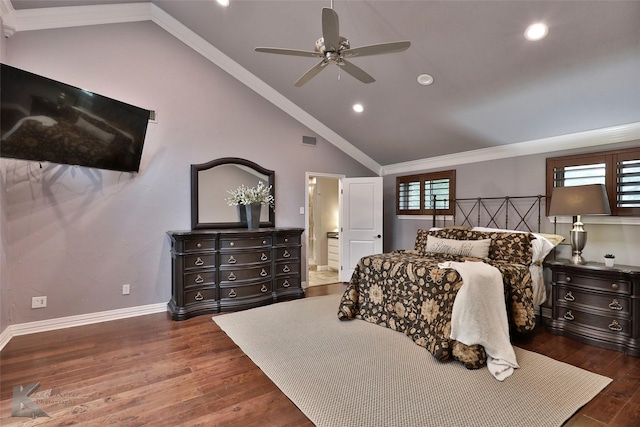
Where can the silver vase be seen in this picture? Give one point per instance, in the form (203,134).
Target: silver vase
(253,215)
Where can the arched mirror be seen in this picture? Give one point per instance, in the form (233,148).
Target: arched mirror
(210,183)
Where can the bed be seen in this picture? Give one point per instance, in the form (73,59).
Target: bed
(413,291)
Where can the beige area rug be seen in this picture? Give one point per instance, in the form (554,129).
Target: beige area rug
(355,373)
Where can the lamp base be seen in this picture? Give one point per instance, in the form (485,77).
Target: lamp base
(578,242)
(576,258)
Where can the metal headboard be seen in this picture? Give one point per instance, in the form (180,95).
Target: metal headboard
(494,212)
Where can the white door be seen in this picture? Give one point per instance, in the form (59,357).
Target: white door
(360,221)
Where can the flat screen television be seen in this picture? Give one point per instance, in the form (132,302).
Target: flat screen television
(45,120)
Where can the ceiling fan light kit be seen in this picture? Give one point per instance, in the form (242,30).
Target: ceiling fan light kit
(335,49)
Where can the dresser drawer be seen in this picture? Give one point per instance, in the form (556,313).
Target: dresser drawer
(288,282)
(229,243)
(230,275)
(572,297)
(199,261)
(610,324)
(245,291)
(199,295)
(243,258)
(596,283)
(192,245)
(201,278)
(287,239)
(287,253)
(287,268)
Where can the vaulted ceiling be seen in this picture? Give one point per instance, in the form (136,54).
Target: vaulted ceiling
(491,86)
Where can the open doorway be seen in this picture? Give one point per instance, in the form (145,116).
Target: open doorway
(322,215)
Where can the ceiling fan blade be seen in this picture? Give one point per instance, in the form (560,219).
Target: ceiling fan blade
(292,52)
(330,29)
(376,49)
(310,74)
(356,72)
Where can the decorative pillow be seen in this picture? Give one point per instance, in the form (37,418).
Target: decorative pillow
(541,245)
(515,247)
(472,248)
(554,239)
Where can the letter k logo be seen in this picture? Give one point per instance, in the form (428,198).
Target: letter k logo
(22,405)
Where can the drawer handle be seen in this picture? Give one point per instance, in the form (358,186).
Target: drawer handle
(569,297)
(285,284)
(264,257)
(286,269)
(264,289)
(198,297)
(232,294)
(198,279)
(569,316)
(232,244)
(286,254)
(615,326)
(264,242)
(198,245)
(263,273)
(232,276)
(199,262)
(286,240)
(615,286)
(615,305)
(568,279)
(232,260)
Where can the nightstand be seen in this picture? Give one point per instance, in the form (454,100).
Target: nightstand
(596,305)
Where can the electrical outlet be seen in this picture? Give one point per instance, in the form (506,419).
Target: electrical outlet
(126,289)
(38,302)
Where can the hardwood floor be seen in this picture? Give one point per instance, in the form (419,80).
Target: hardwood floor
(149,370)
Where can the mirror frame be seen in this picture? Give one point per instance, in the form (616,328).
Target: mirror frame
(195,220)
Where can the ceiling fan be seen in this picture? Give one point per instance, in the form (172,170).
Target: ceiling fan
(335,49)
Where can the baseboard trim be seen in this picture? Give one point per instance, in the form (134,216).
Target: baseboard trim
(78,320)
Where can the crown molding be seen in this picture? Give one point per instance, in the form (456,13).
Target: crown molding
(586,139)
(75,16)
(7,18)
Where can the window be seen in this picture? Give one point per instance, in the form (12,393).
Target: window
(618,170)
(415,193)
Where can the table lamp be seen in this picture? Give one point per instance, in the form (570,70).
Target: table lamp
(576,201)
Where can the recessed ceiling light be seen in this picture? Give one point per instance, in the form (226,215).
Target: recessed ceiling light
(425,79)
(358,108)
(224,3)
(536,31)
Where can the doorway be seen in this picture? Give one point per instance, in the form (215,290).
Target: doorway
(322,218)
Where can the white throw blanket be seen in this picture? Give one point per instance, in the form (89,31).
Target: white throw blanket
(479,315)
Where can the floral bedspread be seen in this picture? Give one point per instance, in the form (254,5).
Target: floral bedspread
(407,292)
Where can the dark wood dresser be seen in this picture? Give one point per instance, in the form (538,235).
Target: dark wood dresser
(596,305)
(233,269)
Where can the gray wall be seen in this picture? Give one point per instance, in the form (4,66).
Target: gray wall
(76,234)
(519,176)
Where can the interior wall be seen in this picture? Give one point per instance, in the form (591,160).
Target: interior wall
(519,176)
(76,235)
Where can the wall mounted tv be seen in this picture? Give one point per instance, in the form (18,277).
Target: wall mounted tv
(46,120)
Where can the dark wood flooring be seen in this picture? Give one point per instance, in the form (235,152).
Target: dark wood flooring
(149,370)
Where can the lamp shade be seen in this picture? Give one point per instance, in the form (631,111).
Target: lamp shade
(580,200)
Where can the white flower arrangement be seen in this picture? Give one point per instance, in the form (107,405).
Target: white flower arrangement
(249,195)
